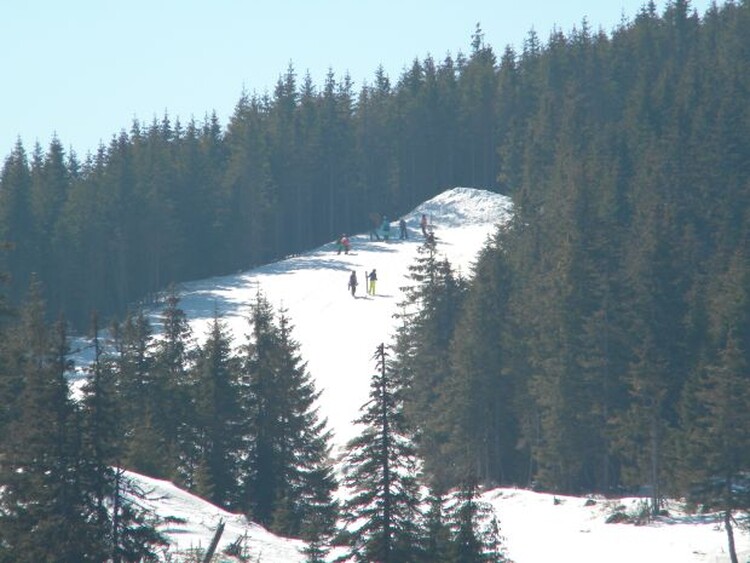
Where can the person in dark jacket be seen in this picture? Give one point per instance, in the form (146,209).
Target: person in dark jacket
(353,283)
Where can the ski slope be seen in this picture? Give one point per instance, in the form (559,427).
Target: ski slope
(338,335)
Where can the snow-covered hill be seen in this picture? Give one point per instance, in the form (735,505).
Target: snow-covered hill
(338,335)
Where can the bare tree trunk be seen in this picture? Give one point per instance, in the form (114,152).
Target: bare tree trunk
(214,542)
(730,536)
(655,492)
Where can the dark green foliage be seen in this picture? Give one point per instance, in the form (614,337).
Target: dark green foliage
(586,354)
(715,454)
(600,343)
(43,509)
(166,202)
(287,479)
(484,400)
(476,534)
(436,530)
(422,363)
(58,487)
(382,513)
(217,421)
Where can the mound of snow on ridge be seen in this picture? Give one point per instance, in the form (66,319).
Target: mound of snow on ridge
(466,206)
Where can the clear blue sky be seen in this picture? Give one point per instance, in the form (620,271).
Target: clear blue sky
(84,69)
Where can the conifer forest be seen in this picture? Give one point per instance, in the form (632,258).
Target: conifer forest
(600,344)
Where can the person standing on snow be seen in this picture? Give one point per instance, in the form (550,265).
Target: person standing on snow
(372,277)
(403,235)
(343,244)
(385,228)
(423,224)
(353,283)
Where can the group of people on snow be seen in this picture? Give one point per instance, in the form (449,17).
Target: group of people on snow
(372,278)
(380,233)
(382,229)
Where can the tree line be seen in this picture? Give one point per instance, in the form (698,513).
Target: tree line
(602,339)
(167,201)
(234,423)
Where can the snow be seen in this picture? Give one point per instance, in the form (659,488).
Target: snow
(190,524)
(338,336)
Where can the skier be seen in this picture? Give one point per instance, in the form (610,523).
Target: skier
(403,235)
(423,224)
(372,277)
(353,283)
(385,228)
(343,244)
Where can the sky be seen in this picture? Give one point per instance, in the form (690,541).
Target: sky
(338,334)
(83,70)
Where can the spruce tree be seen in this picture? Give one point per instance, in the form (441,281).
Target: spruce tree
(476,534)
(44,511)
(716,456)
(218,426)
(383,511)
(422,363)
(171,403)
(287,477)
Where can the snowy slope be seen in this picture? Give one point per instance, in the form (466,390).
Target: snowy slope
(338,336)
(189,523)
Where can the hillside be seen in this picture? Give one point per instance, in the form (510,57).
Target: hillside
(338,335)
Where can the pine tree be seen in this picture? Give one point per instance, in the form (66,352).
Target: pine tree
(101,432)
(716,456)
(483,394)
(476,534)
(430,314)
(288,477)
(171,404)
(44,513)
(125,532)
(383,511)
(436,530)
(218,429)
(311,482)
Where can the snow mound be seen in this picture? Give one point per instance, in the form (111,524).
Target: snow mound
(190,523)
(459,207)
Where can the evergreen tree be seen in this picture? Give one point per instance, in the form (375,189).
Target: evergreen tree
(483,396)
(383,511)
(288,477)
(16,220)
(101,432)
(171,402)
(44,513)
(218,428)
(124,530)
(476,534)
(430,314)
(437,531)
(716,456)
